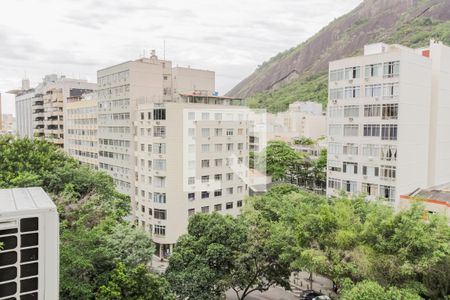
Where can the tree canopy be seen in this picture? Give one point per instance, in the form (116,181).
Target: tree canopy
(96,245)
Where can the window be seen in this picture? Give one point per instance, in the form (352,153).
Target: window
(191,148)
(372,110)
(334,183)
(205,148)
(350,149)
(191,212)
(352,92)
(159,182)
(218,131)
(205,132)
(191,180)
(240,131)
(352,73)
(389,132)
(218,207)
(349,186)
(391,69)
(160,230)
(390,90)
(205,194)
(191,164)
(335,130)
(142,116)
(369,188)
(334,148)
(205,163)
(159,164)
(191,115)
(191,196)
(336,75)
(191,131)
(373,70)
(371,150)
(388,172)
(371,130)
(230,147)
(370,171)
(159,197)
(350,167)
(217,193)
(229,176)
(335,112)
(230,131)
(387,192)
(217,116)
(205,179)
(218,162)
(373,90)
(334,166)
(388,153)
(205,116)
(160,214)
(218,177)
(159,114)
(229,191)
(159,148)
(351,130)
(390,111)
(142,147)
(336,94)
(218,147)
(229,205)
(159,131)
(240,146)
(149,115)
(205,209)
(351,111)
(239,203)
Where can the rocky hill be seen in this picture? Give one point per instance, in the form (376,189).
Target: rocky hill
(300,73)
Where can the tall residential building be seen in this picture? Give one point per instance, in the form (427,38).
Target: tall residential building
(40,110)
(81,140)
(29,232)
(120,87)
(387,121)
(191,157)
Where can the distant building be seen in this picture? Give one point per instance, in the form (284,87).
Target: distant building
(388,121)
(8,123)
(29,231)
(40,110)
(436,200)
(81,140)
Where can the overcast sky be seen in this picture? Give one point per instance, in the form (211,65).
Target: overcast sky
(77,37)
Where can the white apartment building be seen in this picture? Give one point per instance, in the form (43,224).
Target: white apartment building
(120,88)
(81,140)
(386,121)
(191,157)
(29,231)
(302,119)
(40,110)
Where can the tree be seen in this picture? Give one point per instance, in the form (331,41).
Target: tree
(278,157)
(369,290)
(221,253)
(134,284)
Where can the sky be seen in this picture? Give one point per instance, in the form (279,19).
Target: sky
(77,37)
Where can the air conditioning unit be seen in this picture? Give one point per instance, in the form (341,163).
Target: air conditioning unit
(334,101)
(350,119)
(350,81)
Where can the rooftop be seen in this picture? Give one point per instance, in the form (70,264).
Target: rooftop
(437,193)
(24,199)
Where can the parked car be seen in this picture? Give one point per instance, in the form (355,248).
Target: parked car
(313,295)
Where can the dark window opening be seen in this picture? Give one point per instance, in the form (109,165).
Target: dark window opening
(28,270)
(29,224)
(8,274)
(28,285)
(27,240)
(29,254)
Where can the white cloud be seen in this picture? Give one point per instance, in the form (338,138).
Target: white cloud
(76,38)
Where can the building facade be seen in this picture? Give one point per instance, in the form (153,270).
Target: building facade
(81,140)
(191,157)
(381,112)
(29,232)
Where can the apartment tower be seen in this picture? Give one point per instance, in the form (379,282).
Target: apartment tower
(386,121)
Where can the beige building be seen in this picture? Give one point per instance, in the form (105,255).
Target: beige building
(388,121)
(191,157)
(8,123)
(120,88)
(81,140)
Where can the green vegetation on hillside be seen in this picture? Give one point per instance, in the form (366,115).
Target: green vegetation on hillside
(101,255)
(313,87)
